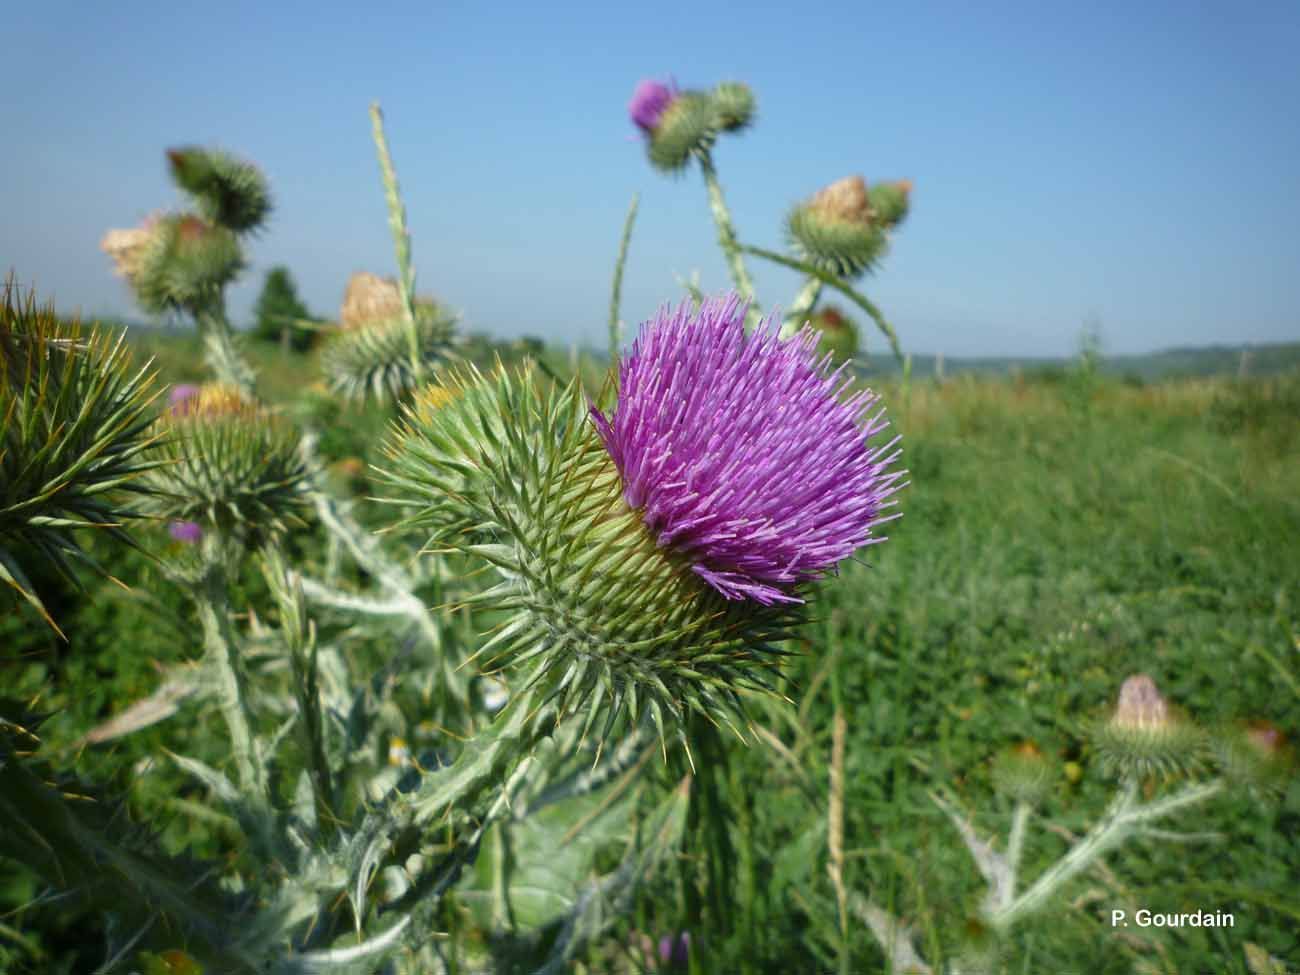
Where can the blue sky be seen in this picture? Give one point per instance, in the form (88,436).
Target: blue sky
(1135,165)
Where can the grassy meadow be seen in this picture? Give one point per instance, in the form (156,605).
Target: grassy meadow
(1059,533)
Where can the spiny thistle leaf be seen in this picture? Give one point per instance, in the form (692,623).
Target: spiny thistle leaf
(231,193)
(75,437)
(374,358)
(501,469)
(229,465)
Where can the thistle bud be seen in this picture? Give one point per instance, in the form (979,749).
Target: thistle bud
(675,123)
(645,569)
(835,231)
(1256,755)
(1023,773)
(1145,737)
(371,357)
(230,193)
(890,201)
(733,105)
(837,333)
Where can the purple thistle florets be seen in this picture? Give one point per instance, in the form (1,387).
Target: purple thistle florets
(180,396)
(190,532)
(649,102)
(741,453)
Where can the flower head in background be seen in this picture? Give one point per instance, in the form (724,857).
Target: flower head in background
(370,357)
(743,454)
(180,395)
(680,124)
(189,532)
(1145,736)
(837,230)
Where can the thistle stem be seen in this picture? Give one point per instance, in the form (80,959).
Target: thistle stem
(799,308)
(1118,824)
(727,239)
(843,287)
(221,651)
(220,349)
(616,294)
(1015,847)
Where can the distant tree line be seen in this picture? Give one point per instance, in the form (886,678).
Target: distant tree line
(281,316)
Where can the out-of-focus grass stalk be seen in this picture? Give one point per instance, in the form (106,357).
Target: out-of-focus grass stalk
(401,236)
(616,294)
(843,287)
(727,238)
(835,834)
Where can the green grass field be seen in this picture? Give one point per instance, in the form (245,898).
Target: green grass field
(1057,536)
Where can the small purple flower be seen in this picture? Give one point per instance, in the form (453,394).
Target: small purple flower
(674,950)
(742,454)
(649,102)
(190,532)
(180,395)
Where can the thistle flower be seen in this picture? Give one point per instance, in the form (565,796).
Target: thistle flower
(230,465)
(741,455)
(835,230)
(649,101)
(634,583)
(675,950)
(189,532)
(675,123)
(180,395)
(1146,737)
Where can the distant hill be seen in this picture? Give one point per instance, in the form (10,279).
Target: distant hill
(1211,360)
(1177,363)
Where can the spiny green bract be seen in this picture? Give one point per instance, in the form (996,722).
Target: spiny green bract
(75,433)
(374,359)
(608,622)
(1170,751)
(230,465)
